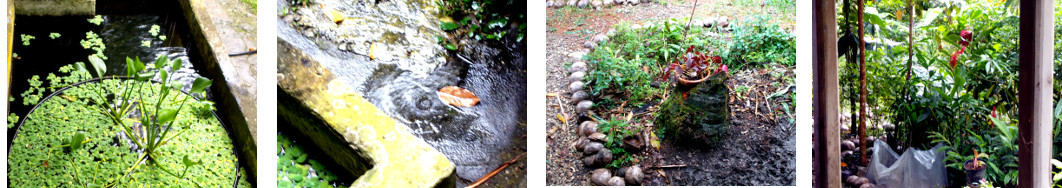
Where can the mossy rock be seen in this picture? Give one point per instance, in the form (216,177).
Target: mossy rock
(35,160)
(702,119)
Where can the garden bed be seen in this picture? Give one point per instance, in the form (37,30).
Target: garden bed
(626,92)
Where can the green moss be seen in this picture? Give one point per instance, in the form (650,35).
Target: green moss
(107,155)
(701,119)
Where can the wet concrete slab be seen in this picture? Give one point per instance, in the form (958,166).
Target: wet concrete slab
(365,141)
(216,25)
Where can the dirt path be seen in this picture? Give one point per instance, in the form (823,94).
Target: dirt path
(758,151)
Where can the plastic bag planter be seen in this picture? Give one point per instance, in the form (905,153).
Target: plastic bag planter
(36,157)
(703,118)
(915,168)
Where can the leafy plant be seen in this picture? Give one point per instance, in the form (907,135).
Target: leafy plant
(616,130)
(26,39)
(757,41)
(695,65)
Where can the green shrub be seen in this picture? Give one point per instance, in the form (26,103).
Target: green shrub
(757,41)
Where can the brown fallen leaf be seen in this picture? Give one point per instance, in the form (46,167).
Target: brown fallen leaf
(458,96)
(551,94)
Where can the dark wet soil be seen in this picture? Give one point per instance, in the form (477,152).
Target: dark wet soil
(759,148)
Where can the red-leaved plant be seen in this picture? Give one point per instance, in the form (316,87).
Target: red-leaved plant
(695,65)
(967,36)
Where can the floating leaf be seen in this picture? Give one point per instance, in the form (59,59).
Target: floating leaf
(200,85)
(458,96)
(75,141)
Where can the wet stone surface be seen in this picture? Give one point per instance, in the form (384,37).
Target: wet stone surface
(402,32)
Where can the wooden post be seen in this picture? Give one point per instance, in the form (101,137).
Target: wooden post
(827,135)
(1035,46)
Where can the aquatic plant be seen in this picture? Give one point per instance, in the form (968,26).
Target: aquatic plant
(26,39)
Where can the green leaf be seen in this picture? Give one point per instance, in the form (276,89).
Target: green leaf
(200,85)
(188,162)
(98,65)
(167,115)
(447,26)
(130,69)
(145,76)
(450,46)
(161,61)
(176,65)
(165,75)
(80,66)
(75,141)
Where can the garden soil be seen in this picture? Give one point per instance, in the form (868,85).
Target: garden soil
(759,148)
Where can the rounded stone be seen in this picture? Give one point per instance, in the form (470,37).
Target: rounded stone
(600,38)
(575,86)
(696,23)
(597,137)
(578,66)
(724,21)
(615,181)
(577,76)
(583,3)
(595,3)
(634,175)
(589,44)
(583,106)
(593,148)
(600,176)
(580,96)
(607,3)
(549,4)
(587,128)
(572,3)
(848,145)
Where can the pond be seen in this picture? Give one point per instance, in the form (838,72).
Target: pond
(126,29)
(400,67)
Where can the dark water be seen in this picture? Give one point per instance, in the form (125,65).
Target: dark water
(477,139)
(122,36)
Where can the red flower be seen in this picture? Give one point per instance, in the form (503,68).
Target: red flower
(955,56)
(966,34)
(993,112)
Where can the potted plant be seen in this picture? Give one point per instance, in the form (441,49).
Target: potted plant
(693,68)
(975,168)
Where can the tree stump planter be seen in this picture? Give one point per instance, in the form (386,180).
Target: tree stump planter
(702,118)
